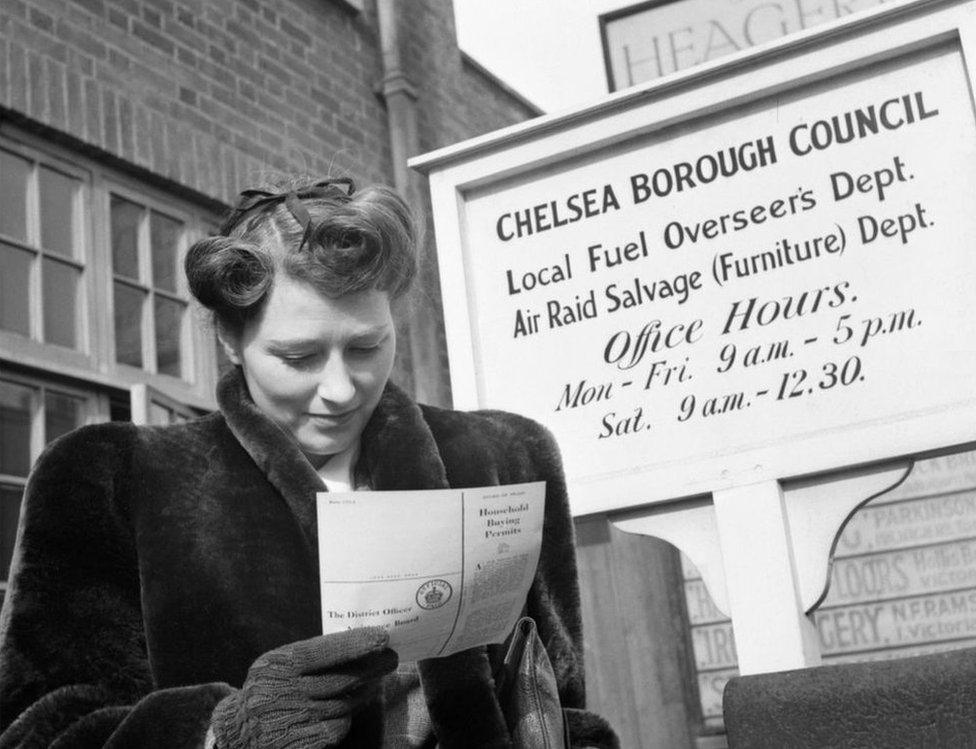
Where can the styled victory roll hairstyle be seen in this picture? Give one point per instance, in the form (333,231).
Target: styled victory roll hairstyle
(328,234)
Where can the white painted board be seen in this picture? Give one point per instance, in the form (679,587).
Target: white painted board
(777,288)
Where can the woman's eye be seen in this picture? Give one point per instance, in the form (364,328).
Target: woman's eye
(296,359)
(364,349)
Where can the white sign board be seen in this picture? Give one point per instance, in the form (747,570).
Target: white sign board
(779,286)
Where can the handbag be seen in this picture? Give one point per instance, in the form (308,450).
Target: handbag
(528,694)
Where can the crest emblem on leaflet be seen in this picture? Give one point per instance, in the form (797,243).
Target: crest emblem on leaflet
(433,594)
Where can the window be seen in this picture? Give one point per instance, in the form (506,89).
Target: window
(42,251)
(93,306)
(32,413)
(150,315)
(91,281)
(149,406)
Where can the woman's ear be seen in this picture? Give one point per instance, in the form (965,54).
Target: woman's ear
(230,342)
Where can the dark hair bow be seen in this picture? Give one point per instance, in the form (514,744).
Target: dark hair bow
(254,198)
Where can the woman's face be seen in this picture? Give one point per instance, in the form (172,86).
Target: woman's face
(317,365)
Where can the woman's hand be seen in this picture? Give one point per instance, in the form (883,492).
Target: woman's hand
(304,694)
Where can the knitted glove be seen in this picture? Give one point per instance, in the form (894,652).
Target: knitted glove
(304,694)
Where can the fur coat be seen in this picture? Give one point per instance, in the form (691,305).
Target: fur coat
(154,564)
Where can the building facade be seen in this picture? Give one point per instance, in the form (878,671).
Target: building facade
(127,127)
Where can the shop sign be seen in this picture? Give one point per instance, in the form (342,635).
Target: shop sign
(649,40)
(902,582)
(910,523)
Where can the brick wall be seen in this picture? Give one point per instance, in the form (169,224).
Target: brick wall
(489,102)
(455,101)
(208,95)
(205,93)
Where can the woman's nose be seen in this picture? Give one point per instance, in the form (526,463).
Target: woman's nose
(336,384)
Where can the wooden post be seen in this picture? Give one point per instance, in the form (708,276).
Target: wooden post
(763,550)
(772,632)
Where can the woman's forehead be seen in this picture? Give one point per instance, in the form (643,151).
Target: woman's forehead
(295,305)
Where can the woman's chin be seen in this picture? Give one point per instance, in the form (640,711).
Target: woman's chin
(318,452)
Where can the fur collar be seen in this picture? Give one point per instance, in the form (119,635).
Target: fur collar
(397,449)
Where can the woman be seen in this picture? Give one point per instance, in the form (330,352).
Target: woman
(166,591)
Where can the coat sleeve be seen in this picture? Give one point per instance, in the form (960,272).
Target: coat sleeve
(73,663)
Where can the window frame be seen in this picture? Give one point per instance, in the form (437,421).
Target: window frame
(145,403)
(147,284)
(94,410)
(83,355)
(95,362)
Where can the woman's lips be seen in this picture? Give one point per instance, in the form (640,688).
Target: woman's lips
(332,419)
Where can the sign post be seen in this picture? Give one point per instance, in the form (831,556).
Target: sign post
(763,553)
(724,283)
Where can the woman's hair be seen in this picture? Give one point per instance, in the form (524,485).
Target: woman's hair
(338,239)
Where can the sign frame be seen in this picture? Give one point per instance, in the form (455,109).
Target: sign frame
(455,173)
(605,19)
(725,38)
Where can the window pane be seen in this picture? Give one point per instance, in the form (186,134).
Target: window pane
(119,409)
(13,195)
(15,428)
(125,237)
(60,284)
(62,413)
(57,211)
(159,414)
(9,512)
(169,326)
(164,235)
(14,288)
(128,325)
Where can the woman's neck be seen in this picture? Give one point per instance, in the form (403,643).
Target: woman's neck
(337,470)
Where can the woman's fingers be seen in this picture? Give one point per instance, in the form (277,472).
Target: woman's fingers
(325,652)
(333,708)
(319,733)
(346,677)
